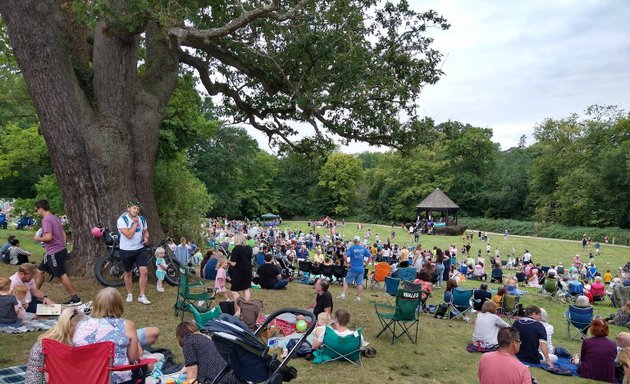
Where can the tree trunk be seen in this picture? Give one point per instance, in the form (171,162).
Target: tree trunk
(102,135)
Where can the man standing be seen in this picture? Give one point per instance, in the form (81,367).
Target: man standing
(358,255)
(533,338)
(134,232)
(501,367)
(54,238)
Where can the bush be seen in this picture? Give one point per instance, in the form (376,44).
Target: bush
(451,230)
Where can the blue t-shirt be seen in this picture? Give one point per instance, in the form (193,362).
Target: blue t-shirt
(531,332)
(357,253)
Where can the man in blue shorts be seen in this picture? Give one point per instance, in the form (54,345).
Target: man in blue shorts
(359,256)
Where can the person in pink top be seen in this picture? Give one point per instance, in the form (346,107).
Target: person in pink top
(502,366)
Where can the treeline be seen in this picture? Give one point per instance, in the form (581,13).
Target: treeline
(576,172)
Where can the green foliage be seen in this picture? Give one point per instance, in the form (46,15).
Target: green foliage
(182,199)
(236,173)
(48,188)
(341,175)
(23,160)
(186,119)
(542,229)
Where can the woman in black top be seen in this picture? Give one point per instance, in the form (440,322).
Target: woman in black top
(241,262)
(201,358)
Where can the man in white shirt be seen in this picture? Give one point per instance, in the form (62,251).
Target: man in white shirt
(134,233)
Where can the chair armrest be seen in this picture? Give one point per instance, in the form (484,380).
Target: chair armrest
(131,367)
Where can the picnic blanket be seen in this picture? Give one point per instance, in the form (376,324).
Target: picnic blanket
(30,326)
(564,364)
(12,375)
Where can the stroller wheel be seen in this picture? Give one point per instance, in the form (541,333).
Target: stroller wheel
(276,378)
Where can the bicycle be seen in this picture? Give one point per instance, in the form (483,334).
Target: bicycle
(109,269)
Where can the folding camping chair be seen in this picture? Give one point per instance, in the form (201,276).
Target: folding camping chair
(404,314)
(201,318)
(575,289)
(424,295)
(94,362)
(339,272)
(185,296)
(461,304)
(327,271)
(550,288)
(599,293)
(391,288)
(509,307)
(381,271)
(337,347)
(580,318)
(406,274)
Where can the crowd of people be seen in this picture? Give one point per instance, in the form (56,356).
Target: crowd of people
(240,254)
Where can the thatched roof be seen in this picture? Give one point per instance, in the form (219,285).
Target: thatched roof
(437,200)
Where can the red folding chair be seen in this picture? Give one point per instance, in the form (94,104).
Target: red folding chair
(74,365)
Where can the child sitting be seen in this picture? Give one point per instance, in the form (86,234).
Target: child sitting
(323,319)
(20,292)
(499,296)
(9,306)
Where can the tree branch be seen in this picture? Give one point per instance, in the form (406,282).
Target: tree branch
(208,34)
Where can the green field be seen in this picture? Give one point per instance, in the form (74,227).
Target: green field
(439,356)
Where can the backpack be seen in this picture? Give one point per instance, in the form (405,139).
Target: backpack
(142,220)
(6,256)
(249,311)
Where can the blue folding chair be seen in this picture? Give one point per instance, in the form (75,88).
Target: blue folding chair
(391,288)
(580,318)
(406,274)
(461,304)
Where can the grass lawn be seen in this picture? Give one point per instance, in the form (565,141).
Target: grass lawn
(439,356)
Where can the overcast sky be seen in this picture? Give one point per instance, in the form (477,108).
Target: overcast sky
(511,64)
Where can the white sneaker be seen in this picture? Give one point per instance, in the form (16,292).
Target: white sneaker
(129,298)
(144,300)
(160,289)
(342,296)
(357,299)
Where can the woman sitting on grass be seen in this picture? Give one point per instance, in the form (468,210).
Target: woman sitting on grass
(424,279)
(622,317)
(487,327)
(597,357)
(202,362)
(107,324)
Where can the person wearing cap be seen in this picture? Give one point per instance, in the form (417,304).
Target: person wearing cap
(134,232)
(359,256)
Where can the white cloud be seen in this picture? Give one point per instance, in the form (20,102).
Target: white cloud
(509,65)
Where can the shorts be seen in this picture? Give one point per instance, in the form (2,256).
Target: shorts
(55,263)
(137,257)
(160,274)
(354,277)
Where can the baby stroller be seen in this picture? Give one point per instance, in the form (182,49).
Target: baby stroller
(286,267)
(247,355)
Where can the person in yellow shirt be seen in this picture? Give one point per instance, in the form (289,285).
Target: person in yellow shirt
(608,277)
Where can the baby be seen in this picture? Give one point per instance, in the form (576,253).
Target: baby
(323,319)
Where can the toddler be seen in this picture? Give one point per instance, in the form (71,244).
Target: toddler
(219,282)
(9,306)
(160,268)
(323,319)
(20,291)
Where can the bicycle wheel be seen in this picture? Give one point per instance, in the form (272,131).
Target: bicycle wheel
(109,270)
(172,269)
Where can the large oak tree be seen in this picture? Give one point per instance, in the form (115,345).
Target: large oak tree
(101,72)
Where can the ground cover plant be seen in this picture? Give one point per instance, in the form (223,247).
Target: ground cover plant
(439,356)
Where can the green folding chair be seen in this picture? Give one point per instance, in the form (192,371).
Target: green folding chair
(201,318)
(404,315)
(186,296)
(509,307)
(337,347)
(550,288)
